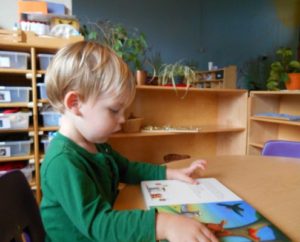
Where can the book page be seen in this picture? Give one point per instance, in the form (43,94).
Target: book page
(168,192)
(214,205)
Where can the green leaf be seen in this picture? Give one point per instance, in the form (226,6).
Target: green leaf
(92,36)
(294,66)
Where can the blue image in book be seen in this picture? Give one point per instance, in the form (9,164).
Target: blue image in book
(230,221)
(228,216)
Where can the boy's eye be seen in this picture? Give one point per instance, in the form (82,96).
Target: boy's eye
(115,111)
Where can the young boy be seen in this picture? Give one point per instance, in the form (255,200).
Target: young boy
(91,87)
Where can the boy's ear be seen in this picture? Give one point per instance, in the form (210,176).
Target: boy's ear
(72,102)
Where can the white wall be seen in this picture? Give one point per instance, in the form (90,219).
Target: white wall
(9,11)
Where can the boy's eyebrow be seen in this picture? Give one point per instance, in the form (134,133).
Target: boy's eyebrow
(119,104)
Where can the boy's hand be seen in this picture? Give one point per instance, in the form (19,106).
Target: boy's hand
(177,228)
(184,174)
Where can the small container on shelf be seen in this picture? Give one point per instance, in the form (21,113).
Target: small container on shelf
(14,94)
(42,90)
(15,148)
(132,125)
(14,60)
(27,171)
(44,60)
(18,120)
(219,74)
(50,118)
(45,140)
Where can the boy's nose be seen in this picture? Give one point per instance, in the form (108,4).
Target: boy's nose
(122,119)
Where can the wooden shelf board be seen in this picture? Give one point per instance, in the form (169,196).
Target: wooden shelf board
(275,93)
(14,71)
(16,130)
(32,183)
(202,130)
(275,121)
(144,134)
(52,128)
(41,72)
(8,105)
(16,158)
(191,89)
(256,145)
(220,129)
(28,39)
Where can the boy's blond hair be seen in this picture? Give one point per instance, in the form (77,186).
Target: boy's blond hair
(89,69)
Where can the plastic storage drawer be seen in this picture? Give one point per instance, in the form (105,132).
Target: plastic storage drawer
(19,120)
(15,60)
(50,118)
(46,142)
(27,171)
(42,90)
(14,94)
(15,148)
(44,60)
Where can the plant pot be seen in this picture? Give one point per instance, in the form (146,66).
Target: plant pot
(132,125)
(293,83)
(141,77)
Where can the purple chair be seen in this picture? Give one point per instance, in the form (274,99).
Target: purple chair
(282,148)
(20,216)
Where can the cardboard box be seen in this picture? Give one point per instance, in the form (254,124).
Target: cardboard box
(32,7)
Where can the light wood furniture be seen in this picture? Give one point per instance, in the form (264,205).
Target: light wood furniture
(270,184)
(220,115)
(266,128)
(30,43)
(220,78)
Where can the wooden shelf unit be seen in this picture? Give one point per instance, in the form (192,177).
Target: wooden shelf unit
(220,115)
(262,129)
(220,78)
(28,42)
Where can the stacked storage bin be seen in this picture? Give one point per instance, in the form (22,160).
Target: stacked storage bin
(49,118)
(14,60)
(14,119)
(44,61)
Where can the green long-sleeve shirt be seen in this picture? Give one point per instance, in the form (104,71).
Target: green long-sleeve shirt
(79,189)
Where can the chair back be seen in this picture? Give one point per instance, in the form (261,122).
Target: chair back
(282,148)
(20,219)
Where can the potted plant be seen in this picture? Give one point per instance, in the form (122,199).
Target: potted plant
(285,72)
(176,74)
(155,62)
(129,44)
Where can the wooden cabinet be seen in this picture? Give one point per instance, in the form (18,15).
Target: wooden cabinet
(26,42)
(219,114)
(220,78)
(264,122)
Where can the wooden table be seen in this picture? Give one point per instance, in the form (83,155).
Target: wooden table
(270,184)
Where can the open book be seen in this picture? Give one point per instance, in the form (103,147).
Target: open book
(227,215)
